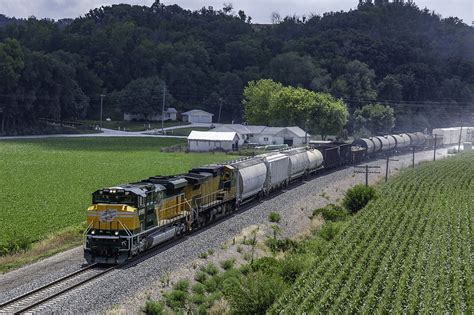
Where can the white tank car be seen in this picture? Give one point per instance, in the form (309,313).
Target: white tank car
(298,162)
(403,141)
(377,144)
(315,158)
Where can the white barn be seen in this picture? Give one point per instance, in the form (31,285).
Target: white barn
(205,141)
(197,116)
(262,135)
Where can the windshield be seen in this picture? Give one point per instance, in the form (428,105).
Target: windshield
(115,199)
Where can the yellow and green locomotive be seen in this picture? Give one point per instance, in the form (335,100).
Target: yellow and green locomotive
(128,219)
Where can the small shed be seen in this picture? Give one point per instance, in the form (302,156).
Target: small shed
(204,141)
(197,116)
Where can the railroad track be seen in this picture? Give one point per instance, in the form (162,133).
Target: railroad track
(45,293)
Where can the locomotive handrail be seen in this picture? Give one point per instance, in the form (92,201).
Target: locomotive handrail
(84,235)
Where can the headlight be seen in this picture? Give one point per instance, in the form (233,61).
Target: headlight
(116,233)
(93,232)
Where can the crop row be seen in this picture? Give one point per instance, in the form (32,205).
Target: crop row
(409,251)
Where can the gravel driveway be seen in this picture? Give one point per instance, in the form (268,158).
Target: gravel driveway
(121,287)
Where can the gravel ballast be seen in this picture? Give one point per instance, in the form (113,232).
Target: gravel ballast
(125,287)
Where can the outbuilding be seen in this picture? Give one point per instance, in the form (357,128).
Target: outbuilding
(197,116)
(263,135)
(204,141)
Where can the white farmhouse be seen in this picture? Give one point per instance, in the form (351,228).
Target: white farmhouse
(170,114)
(262,135)
(197,116)
(204,141)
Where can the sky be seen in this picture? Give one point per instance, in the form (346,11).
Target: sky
(259,10)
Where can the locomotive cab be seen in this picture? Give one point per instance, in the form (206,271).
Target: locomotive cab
(115,216)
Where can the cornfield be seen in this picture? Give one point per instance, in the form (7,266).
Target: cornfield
(409,251)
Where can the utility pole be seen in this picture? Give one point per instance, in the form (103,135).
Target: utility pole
(220,110)
(163,111)
(386,168)
(413,157)
(435,142)
(366,169)
(460,137)
(101,104)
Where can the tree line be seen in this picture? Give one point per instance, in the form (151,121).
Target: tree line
(392,53)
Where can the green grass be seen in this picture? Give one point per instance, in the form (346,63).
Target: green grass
(134,125)
(46,184)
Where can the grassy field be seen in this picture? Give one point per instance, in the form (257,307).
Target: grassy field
(410,251)
(46,184)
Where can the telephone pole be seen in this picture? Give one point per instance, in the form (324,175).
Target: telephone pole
(101,104)
(386,168)
(220,110)
(163,111)
(435,142)
(366,169)
(460,137)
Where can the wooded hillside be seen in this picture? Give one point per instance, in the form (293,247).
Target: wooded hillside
(393,53)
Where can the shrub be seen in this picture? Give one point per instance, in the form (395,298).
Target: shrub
(266,265)
(154,308)
(15,245)
(227,264)
(198,299)
(281,245)
(210,269)
(200,276)
(213,284)
(331,213)
(181,285)
(291,268)
(274,217)
(329,231)
(210,252)
(254,293)
(358,197)
(176,299)
(198,288)
(203,255)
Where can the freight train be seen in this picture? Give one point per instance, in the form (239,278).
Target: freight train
(128,219)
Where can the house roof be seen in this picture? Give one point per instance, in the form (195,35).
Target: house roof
(197,112)
(171,110)
(249,129)
(212,136)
